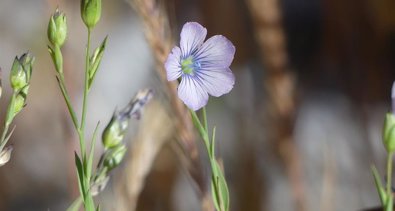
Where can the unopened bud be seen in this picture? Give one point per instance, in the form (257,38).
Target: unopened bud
(5,155)
(90,12)
(116,128)
(20,100)
(57,28)
(115,131)
(21,71)
(114,157)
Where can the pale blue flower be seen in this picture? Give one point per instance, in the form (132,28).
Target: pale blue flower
(202,66)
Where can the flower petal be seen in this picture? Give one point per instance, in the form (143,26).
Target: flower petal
(192,93)
(216,52)
(192,37)
(172,64)
(216,82)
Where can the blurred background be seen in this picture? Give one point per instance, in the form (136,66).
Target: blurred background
(299,131)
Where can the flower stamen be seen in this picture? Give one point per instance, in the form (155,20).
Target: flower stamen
(187,65)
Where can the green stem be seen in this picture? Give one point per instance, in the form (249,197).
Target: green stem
(205,119)
(88,201)
(389,179)
(66,97)
(84,102)
(203,132)
(7,121)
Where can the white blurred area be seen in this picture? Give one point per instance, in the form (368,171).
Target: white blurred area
(38,175)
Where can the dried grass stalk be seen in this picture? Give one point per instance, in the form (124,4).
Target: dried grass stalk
(158,35)
(266,15)
(155,130)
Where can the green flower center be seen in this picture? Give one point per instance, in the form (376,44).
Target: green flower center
(187,65)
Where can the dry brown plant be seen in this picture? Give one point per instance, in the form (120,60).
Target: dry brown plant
(156,128)
(280,86)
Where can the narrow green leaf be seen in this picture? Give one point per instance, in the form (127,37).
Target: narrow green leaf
(67,100)
(80,174)
(379,185)
(91,153)
(95,61)
(75,206)
(221,185)
(215,194)
(98,207)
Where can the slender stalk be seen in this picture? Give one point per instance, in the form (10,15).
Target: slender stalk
(85,100)
(205,119)
(202,130)
(3,135)
(84,103)
(66,97)
(389,177)
(7,122)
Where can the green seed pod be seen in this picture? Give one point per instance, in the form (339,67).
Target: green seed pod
(90,12)
(18,75)
(20,101)
(389,132)
(21,71)
(57,28)
(114,157)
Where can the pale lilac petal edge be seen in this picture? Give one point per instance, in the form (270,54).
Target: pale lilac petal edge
(192,37)
(191,93)
(217,52)
(172,64)
(216,82)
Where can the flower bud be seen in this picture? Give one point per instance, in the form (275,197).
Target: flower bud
(5,155)
(114,157)
(90,12)
(116,128)
(389,132)
(115,131)
(21,71)
(20,100)
(57,28)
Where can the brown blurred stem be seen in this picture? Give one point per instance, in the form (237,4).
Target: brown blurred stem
(280,86)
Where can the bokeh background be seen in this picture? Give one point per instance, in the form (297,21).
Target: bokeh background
(299,131)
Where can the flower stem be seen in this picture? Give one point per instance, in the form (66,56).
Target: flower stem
(205,119)
(85,100)
(66,97)
(389,180)
(202,130)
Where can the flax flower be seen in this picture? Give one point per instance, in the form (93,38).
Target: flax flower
(202,66)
